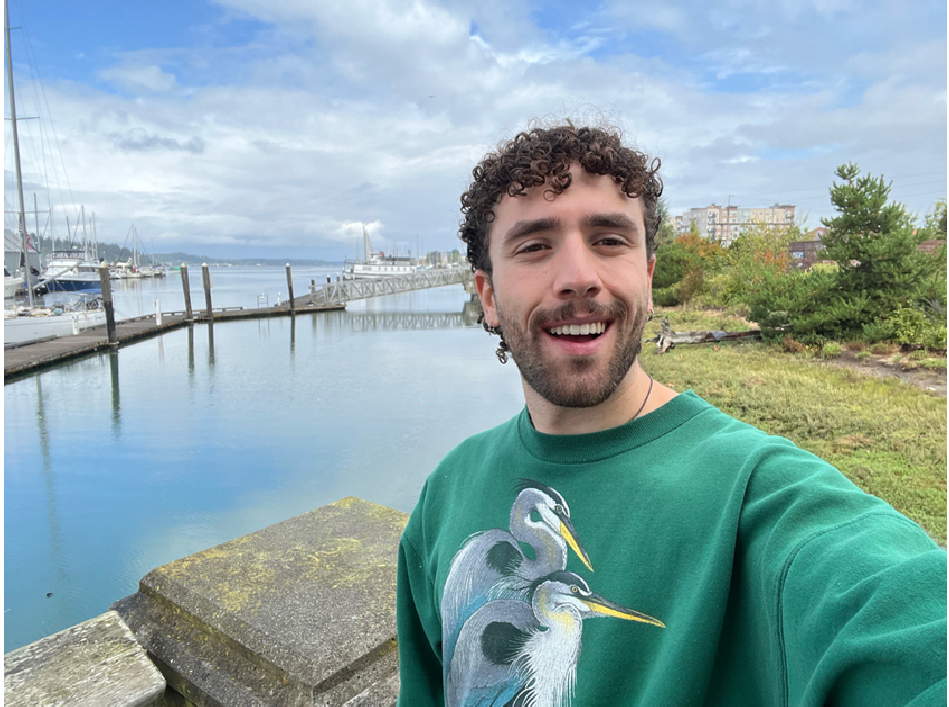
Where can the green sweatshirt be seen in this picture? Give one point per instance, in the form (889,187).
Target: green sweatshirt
(682,558)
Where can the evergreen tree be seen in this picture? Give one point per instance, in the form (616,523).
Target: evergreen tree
(882,286)
(879,266)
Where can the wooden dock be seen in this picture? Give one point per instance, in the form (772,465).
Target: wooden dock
(22,359)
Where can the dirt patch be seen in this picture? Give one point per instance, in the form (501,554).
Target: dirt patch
(884,366)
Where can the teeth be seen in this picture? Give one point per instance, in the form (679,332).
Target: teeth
(578,329)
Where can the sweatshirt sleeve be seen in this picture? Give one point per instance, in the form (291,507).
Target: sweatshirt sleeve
(862,609)
(420,668)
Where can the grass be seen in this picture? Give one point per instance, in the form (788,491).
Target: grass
(888,437)
(697,319)
(936,364)
(862,355)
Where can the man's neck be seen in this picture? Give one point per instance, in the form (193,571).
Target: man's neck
(628,398)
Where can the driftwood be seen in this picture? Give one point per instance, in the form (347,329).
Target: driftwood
(667,338)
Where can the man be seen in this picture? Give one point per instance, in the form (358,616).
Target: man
(617,543)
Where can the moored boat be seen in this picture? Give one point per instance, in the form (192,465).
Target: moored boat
(377,265)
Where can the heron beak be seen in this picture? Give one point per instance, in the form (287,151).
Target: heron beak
(603,606)
(569,533)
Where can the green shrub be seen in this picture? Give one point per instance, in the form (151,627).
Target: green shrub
(919,355)
(934,338)
(938,364)
(831,350)
(880,348)
(664,296)
(879,330)
(862,355)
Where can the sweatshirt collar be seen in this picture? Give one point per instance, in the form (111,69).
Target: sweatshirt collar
(594,446)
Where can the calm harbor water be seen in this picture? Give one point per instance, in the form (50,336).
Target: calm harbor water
(118,463)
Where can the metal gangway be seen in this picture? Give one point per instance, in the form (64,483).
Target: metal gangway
(336,293)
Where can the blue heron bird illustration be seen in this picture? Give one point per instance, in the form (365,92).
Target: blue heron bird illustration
(491,564)
(523,654)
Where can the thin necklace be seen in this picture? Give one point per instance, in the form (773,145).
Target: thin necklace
(645,400)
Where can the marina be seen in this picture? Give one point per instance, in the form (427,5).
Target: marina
(121,460)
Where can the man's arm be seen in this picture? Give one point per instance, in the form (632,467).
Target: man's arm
(862,609)
(420,667)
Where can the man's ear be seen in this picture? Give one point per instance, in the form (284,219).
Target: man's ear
(486,294)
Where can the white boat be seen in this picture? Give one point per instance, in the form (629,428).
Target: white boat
(62,314)
(377,265)
(70,271)
(11,284)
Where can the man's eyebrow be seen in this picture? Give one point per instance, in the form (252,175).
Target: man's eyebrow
(529,227)
(610,220)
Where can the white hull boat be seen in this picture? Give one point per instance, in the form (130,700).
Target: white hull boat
(61,315)
(377,265)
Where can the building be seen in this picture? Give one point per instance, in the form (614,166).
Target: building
(802,255)
(724,223)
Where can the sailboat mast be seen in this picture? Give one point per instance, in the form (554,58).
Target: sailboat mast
(85,243)
(36,225)
(28,276)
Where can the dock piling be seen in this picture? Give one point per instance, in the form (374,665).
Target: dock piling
(186,286)
(106,287)
(290,289)
(206,281)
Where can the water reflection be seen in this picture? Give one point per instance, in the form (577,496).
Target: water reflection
(108,476)
(60,592)
(210,345)
(114,391)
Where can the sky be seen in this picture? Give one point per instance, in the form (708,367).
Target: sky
(274,128)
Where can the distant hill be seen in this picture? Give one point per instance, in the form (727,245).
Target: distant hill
(178,257)
(112,252)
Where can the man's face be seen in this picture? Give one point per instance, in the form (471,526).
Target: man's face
(570,287)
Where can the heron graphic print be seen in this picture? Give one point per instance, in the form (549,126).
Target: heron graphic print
(511,623)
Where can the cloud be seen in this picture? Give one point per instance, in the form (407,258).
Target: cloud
(139,141)
(335,115)
(139,78)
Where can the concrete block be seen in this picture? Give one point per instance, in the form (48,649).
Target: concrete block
(97,662)
(299,613)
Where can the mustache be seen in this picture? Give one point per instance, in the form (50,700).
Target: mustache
(616,310)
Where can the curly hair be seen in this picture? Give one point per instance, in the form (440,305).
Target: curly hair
(544,155)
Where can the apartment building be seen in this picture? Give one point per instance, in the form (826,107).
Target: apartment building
(724,223)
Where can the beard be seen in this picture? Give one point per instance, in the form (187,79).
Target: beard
(578,381)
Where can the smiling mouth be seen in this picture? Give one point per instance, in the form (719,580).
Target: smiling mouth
(578,332)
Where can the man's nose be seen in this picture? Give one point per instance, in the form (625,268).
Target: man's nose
(577,274)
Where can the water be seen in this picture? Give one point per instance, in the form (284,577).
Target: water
(230,287)
(118,463)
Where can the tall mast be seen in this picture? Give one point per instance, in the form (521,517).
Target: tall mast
(36,225)
(28,277)
(85,243)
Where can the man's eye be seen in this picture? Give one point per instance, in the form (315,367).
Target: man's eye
(611,241)
(531,248)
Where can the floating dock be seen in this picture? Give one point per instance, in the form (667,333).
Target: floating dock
(21,359)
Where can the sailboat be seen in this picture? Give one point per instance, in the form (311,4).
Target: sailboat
(57,316)
(377,265)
